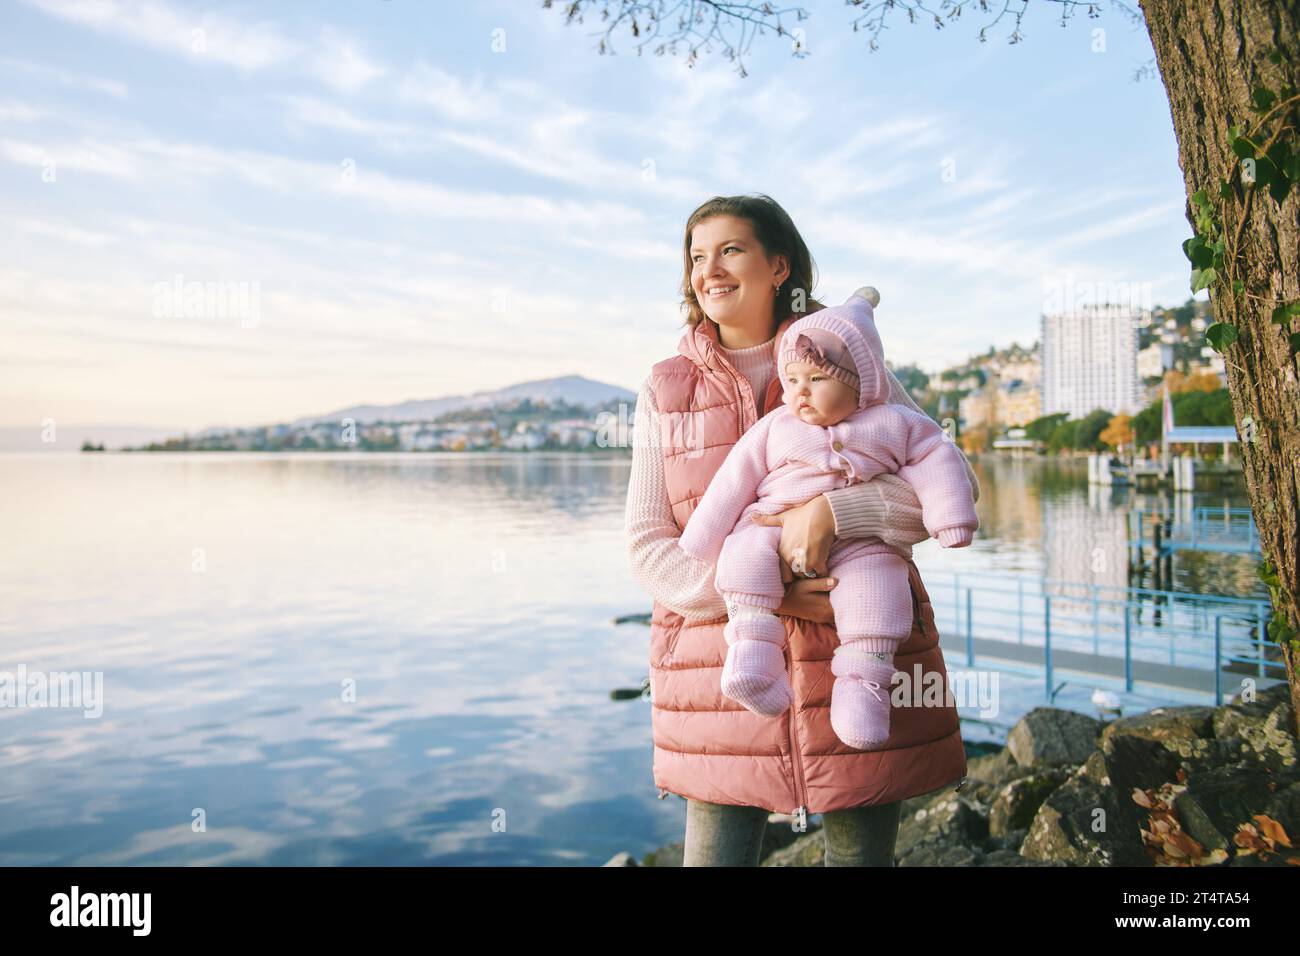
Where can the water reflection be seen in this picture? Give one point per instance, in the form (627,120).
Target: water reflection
(389,659)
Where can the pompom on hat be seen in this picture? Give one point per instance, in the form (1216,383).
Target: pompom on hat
(842,342)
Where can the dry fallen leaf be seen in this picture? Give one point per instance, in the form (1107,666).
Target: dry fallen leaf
(1272,831)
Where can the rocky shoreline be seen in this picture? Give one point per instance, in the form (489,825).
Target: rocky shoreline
(1175,786)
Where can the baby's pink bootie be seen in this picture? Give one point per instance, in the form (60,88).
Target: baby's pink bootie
(860,698)
(753,674)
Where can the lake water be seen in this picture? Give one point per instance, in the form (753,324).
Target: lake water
(346,659)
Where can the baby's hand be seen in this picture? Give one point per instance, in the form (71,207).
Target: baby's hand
(955,537)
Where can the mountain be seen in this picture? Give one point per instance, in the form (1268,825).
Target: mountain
(573,389)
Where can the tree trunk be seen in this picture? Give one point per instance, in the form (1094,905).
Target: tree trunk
(1211,55)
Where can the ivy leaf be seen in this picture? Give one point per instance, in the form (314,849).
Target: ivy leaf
(1294,339)
(1263,98)
(1221,335)
(1244,148)
(1267,574)
(1279,155)
(1203,278)
(1198,253)
(1199,199)
(1275,57)
(1225,190)
(1265,171)
(1238,287)
(1279,188)
(1282,314)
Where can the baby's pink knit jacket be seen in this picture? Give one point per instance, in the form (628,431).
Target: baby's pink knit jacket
(783,461)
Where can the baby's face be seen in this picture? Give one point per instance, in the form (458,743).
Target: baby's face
(815,397)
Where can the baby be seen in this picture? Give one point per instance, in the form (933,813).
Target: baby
(835,428)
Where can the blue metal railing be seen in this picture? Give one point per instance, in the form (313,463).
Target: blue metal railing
(1207,529)
(1173,637)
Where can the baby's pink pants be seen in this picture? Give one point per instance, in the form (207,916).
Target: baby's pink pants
(872,599)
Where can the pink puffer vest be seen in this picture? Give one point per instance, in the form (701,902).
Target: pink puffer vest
(707,746)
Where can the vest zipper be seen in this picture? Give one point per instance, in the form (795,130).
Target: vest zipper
(740,393)
(800,812)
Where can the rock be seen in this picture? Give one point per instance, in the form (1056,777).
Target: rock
(1012,858)
(808,849)
(1134,763)
(1048,736)
(1215,801)
(1007,841)
(1015,804)
(1164,724)
(996,769)
(932,854)
(1061,793)
(668,855)
(1264,728)
(1094,769)
(621,859)
(1076,824)
(1284,807)
(954,820)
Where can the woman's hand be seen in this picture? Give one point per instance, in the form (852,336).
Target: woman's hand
(808,598)
(807,533)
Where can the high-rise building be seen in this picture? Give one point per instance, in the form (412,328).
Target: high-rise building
(1090,360)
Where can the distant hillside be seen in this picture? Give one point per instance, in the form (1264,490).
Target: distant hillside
(569,389)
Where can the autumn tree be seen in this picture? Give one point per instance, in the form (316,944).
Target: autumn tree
(1118,432)
(1229,68)
(1199,381)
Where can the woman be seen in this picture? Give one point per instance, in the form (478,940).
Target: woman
(748,276)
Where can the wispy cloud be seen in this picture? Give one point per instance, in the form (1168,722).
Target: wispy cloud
(67,78)
(311,111)
(447,95)
(213,36)
(332,57)
(392,197)
(338,60)
(88,156)
(11,111)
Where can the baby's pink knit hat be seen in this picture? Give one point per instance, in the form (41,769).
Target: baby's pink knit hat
(842,341)
(826,350)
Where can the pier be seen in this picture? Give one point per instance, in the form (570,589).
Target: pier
(1108,637)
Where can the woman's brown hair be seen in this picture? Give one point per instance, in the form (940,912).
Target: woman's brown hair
(776,233)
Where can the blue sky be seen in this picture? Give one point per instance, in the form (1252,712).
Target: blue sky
(423,214)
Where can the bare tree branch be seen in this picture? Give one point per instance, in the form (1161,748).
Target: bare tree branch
(698,23)
(663,24)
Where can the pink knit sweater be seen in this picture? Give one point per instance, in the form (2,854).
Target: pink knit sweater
(783,461)
(887,507)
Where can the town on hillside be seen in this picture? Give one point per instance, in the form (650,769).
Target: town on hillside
(1094,381)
